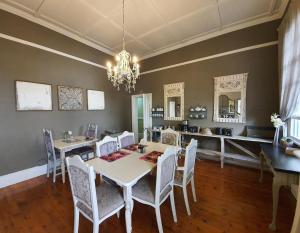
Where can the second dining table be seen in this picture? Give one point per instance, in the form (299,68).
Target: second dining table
(66,145)
(127,171)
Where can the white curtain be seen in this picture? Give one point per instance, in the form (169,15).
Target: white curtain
(289,55)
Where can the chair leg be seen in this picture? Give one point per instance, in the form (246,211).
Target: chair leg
(132,205)
(118,214)
(76,220)
(48,168)
(54,172)
(193,189)
(158,220)
(95,227)
(172,200)
(186,199)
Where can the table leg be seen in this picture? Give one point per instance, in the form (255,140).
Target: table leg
(262,160)
(275,192)
(296,222)
(280,179)
(128,207)
(222,151)
(62,164)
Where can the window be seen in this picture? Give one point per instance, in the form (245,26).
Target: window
(294,127)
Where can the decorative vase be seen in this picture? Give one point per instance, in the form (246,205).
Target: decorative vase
(276,136)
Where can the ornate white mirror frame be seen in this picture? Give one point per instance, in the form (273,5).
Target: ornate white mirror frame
(226,84)
(174,90)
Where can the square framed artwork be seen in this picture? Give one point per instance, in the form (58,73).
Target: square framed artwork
(70,98)
(32,96)
(95,100)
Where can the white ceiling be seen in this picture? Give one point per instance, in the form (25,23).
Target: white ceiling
(152,26)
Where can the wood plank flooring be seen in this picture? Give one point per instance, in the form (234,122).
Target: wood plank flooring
(230,200)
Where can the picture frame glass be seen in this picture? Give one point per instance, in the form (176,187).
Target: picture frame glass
(70,98)
(33,96)
(96,100)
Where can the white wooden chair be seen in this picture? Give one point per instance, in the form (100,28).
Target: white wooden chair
(185,175)
(126,139)
(85,151)
(106,146)
(170,137)
(94,203)
(92,131)
(53,156)
(154,191)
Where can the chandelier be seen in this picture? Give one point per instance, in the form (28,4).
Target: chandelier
(122,73)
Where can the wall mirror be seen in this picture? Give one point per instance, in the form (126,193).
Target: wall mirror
(230,98)
(174,101)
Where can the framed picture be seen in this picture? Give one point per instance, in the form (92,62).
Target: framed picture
(70,98)
(33,96)
(95,100)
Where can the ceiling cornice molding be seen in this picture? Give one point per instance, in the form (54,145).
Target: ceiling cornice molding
(249,23)
(36,18)
(213,34)
(59,29)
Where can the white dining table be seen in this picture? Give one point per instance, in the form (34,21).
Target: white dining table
(64,146)
(127,171)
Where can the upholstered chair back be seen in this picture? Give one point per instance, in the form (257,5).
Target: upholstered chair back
(48,141)
(92,130)
(126,139)
(82,181)
(106,146)
(190,157)
(170,137)
(165,172)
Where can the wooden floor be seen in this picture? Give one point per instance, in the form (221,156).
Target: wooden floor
(230,200)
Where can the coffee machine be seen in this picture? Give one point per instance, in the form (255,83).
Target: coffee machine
(184,126)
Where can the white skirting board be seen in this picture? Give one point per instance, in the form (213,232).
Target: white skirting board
(19,176)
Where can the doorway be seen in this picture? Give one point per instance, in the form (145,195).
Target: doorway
(141,115)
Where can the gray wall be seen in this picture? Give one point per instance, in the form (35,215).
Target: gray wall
(261,64)
(21,132)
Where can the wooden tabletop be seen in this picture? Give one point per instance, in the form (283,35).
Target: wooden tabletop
(61,144)
(280,161)
(128,170)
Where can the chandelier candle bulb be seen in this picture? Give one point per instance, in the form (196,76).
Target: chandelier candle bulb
(134,59)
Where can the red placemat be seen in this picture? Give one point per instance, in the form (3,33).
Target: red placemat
(152,156)
(114,156)
(133,147)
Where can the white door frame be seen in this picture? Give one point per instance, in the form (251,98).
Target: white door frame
(147,101)
(147,106)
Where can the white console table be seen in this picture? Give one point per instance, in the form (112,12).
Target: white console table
(233,140)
